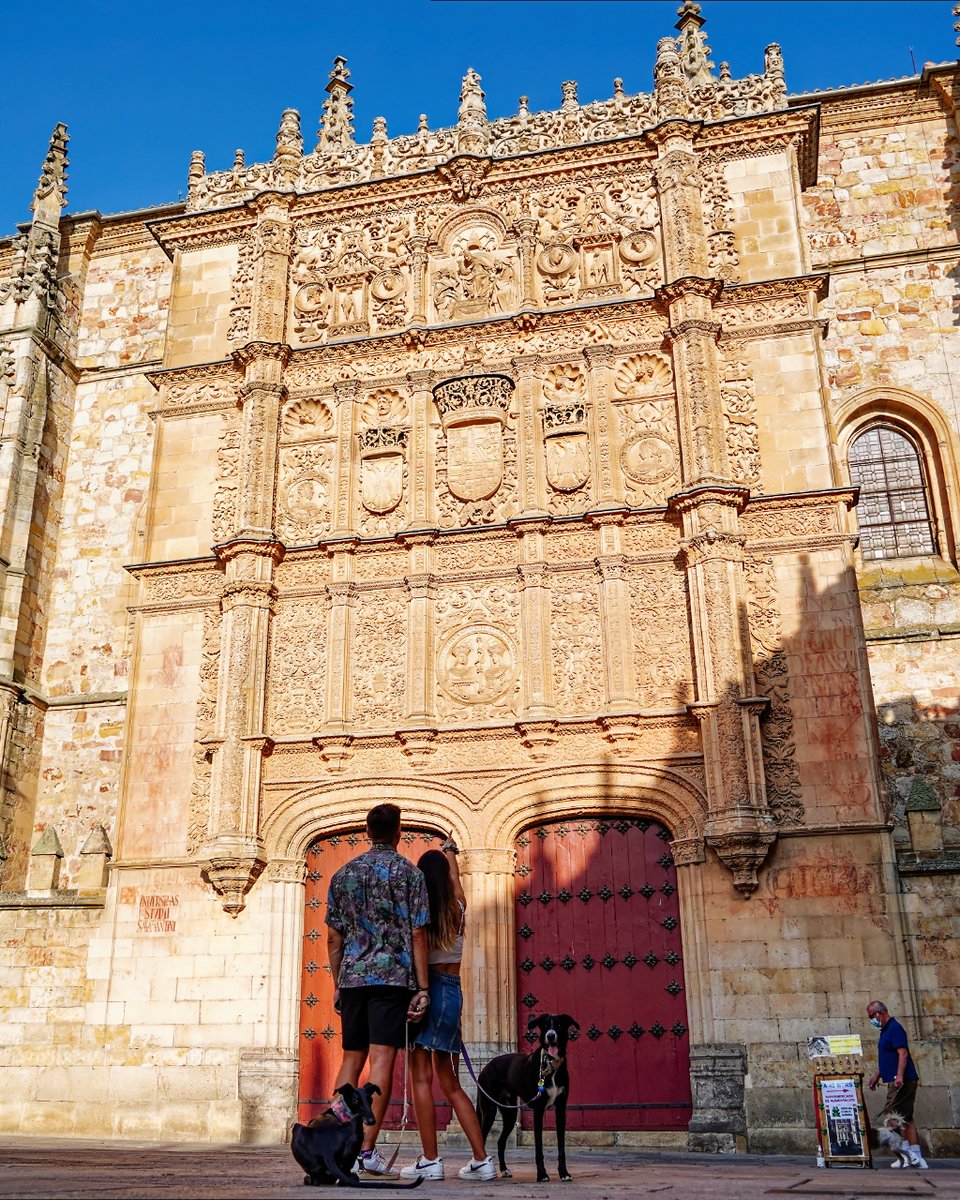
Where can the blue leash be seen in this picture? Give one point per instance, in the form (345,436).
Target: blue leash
(541,1085)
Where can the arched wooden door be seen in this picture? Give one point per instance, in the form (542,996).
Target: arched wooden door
(319,1024)
(598,936)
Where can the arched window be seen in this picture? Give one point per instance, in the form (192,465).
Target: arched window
(893,514)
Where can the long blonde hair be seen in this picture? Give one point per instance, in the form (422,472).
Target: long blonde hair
(446,917)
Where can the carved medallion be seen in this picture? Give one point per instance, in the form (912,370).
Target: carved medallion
(648,460)
(477,665)
(556,259)
(475,459)
(568,460)
(305,499)
(639,248)
(388,285)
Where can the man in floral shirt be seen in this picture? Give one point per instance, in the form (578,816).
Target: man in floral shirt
(377,909)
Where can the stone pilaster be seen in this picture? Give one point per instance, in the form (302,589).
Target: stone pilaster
(421,677)
(281,1029)
(421,464)
(272,240)
(609,482)
(490,1009)
(538,698)
(343,515)
(740,827)
(342,594)
(528,369)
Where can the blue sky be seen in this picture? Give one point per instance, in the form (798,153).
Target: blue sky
(141,85)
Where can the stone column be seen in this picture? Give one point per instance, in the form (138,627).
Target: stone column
(421,464)
(527,232)
(528,368)
(538,698)
(233,853)
(739,825)
(418,274)
(609,481)
(489,976)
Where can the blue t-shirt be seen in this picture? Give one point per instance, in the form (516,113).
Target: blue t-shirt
(893,1037)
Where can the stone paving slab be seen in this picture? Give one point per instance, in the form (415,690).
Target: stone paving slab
(65,1169)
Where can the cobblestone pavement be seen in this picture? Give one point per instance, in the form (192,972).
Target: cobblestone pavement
(44,1168)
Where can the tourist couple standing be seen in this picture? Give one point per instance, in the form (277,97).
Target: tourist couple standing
(395,943)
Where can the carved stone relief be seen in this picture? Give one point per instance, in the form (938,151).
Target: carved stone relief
(476,455)
(379,659)
(199,812)
(577,642)
(225,496)
(305,492)
(383,479)
(647,427)
(739,404)
(772,674)
(298,667)
(474,275)
(663,666)
(305,419)
(566,440)
(478,660)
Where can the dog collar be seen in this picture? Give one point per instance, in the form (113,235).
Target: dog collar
(341,1110)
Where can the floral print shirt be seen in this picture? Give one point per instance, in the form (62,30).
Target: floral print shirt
(375,902)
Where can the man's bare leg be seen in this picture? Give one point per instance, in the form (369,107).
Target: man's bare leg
(381,1060)
(350,1068)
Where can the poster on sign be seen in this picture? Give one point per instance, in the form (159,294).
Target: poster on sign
(840,1119)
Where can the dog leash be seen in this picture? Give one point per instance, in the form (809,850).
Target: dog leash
(541,1083)
(405,1111)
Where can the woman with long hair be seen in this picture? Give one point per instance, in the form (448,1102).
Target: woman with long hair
(436,1044)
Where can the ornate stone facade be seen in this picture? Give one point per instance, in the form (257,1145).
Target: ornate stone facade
(501,471)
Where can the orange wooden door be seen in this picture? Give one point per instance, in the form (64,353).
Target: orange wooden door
(319,1024)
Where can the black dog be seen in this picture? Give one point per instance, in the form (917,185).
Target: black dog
(539,1080)
(327,1147)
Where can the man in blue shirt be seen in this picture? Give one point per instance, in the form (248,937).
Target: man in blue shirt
(896,1069)
(377,910)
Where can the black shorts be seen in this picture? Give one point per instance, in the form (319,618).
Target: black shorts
(374,1015)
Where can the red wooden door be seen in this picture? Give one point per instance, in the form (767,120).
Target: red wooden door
(319,1024)
(598,937)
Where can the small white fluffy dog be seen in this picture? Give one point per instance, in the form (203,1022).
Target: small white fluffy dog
(889,1134)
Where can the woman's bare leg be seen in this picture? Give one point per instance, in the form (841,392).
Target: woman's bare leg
(421,1079)
(445,1066)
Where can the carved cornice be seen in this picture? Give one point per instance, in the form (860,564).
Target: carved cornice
(729,495)
(689,285)
(466,397)
(242,543)
(200,231)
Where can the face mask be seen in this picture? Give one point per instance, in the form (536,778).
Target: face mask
(876,1022)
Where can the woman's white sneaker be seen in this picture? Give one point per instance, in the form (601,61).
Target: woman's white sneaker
(482,1172)
(423,1168)
(373,1163)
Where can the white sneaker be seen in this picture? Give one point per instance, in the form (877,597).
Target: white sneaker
(424,1168)
(372,1162)
(917,1160)
(482,1172)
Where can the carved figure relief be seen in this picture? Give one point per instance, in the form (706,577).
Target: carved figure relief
(478,671)
(298,667)
(379,659)
(304,492)
(577,642)
(242,293)
(475,275)
(199,814)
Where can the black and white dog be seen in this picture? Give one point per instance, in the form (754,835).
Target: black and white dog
(327,1147)
(538,1080)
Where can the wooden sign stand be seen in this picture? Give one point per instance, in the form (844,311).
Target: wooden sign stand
(840,1112)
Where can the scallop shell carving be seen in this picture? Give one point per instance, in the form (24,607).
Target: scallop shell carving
(563,382)
(306,419)
(644,375)
(383,407)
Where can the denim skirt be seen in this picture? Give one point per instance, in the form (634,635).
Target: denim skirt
(440,1029)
